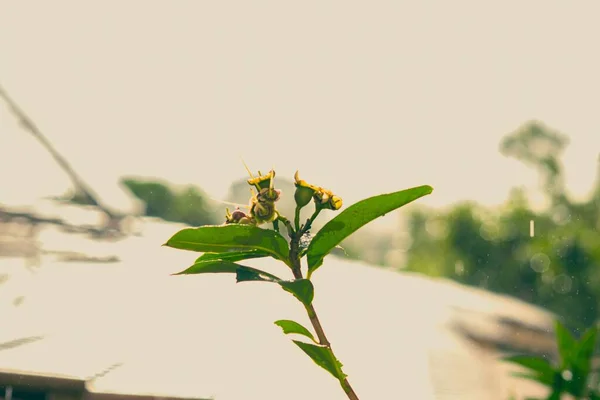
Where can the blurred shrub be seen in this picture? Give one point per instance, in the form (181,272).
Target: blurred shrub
(188,205)
(558,268)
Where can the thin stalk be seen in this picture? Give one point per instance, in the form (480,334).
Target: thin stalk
(309,222)
(297,219)
(310,310)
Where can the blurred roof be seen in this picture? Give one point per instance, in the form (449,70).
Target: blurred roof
(126,326)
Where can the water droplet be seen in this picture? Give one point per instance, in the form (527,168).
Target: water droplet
(562,284)
(539,262)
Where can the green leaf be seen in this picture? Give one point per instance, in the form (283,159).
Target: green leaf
(582,356)
(532,376)
(566,343)
(580,362)
(247,274)
(324,358)
(220,266)
(289,326)
(354,217)
(543,371)
(232,255)
(210,267)
(302,289)
(222,238)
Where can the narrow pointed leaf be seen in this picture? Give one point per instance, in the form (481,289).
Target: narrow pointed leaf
(232,255)
(210,267)
(220,266)
(302,289)
(290,327)
(323,357)
(353,218)
(541,368)
(567,344)
(585,349)
(232,237)
(247,274)
(533,376)
(581,360)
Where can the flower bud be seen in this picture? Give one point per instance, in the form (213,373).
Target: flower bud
(237,217)
(262,181)
(327,200)
(304,191)
(268,195)
(335,202)
(263,212)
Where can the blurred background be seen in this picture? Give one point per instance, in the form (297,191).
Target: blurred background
(112,112)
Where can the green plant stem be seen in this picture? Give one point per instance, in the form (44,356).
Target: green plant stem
(309,222)
(310,310)
(297,219)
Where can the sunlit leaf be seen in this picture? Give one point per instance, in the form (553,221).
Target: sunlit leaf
(323,357)
(210,267)
(354,217)
(302,289)
(220,266)
(247,274)
(290,327)
(232,237)
(232,255)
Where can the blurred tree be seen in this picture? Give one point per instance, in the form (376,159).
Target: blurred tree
(189,205)
(558,268)
(537,145)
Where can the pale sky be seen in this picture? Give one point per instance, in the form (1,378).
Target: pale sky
(389,94)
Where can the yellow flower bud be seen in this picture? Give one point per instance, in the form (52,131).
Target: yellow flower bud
(327,200)
(304,191)
(262,181)
(335,202)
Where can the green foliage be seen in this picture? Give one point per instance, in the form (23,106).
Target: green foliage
(233,255)
(324,358)
(241,238)
(242,272)
(572,374)
(302,289)
(557,268)
(289,327)
(353,218)
(231,237)
(189,205)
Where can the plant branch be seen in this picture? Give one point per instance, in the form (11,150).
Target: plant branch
(310,310)
(309,222)
(297,219)
(29,125)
